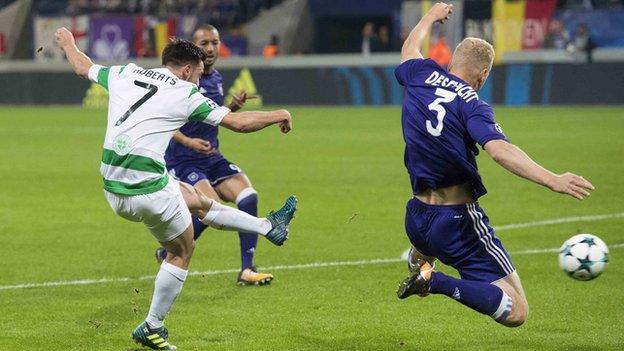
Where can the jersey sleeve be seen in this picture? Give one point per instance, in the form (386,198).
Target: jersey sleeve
(482,127)
(202,109)
(103,75)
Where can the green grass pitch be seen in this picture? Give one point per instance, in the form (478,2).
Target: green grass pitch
(345,165)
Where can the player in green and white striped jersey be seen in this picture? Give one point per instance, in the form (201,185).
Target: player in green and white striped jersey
(146,107)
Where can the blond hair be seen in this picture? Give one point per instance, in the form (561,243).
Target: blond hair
(472,56)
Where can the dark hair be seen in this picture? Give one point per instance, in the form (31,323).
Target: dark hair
(180,52)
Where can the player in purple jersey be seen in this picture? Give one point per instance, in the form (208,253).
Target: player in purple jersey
(443,119)
(193,156)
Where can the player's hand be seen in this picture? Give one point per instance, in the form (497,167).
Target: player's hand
(571,184)
(200,145)
(64,37)
(440,12)
(286,124)
(238,100)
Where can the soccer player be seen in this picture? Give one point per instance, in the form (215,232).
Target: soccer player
(443,119)
(193,156)
(146,107)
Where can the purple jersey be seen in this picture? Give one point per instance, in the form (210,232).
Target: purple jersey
(211,86)
(443,120)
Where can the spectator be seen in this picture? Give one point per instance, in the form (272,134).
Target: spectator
(369,40)
(272,49)
(385,44)
(582,42)
(557,37)
(440,51)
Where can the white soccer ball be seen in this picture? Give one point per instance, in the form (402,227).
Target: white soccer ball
(583,256)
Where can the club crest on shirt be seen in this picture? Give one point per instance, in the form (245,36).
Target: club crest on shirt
(122,144)
(193,176)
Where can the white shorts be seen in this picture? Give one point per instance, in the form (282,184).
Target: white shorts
(164,212)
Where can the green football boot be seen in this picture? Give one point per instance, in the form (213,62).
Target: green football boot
(280,220)
(155,339)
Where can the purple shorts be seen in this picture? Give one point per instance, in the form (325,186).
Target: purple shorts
(215,169)
(460,236)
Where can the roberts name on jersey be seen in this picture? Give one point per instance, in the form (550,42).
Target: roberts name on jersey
(156,75)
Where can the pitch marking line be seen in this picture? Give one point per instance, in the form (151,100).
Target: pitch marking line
(327,264)
(559,221)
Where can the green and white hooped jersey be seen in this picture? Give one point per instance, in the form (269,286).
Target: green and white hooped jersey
(145,108)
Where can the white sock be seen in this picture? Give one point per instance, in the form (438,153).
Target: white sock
(504,309)
(244,193)
(230,218)
(167,287)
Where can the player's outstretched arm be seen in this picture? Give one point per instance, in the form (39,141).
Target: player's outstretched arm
(411,47)
(77,59)
(518,162)
(251,121)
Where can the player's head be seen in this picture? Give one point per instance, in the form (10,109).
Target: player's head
(208,39)
(473,59)
(184,59)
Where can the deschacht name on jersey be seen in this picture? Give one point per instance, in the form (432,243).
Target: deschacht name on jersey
(464,91)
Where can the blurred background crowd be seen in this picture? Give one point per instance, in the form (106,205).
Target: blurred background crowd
(121,29)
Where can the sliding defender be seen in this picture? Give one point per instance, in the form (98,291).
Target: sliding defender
(443,119)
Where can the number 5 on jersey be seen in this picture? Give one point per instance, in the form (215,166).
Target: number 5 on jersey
(444,96)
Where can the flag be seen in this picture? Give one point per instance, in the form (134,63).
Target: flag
(508,21)
(537,15)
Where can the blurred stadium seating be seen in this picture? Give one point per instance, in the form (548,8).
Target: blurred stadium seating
(346,45)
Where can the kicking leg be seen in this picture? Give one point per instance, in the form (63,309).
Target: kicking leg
(216,215)
(238,189)
(207,189)
(198,227)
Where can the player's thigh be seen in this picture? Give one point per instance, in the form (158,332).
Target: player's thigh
(511,282)
(414,228)
(190,196)
(163,212)
(207,189)
(230,187)
(122,206)
(479,254)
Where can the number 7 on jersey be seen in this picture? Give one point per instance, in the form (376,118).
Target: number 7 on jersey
(152,90)
(444,96)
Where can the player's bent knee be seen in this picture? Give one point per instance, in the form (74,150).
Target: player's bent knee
(519,314)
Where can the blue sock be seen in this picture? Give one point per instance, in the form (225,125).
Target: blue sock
(198,227)
(482,297)
(248,204)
